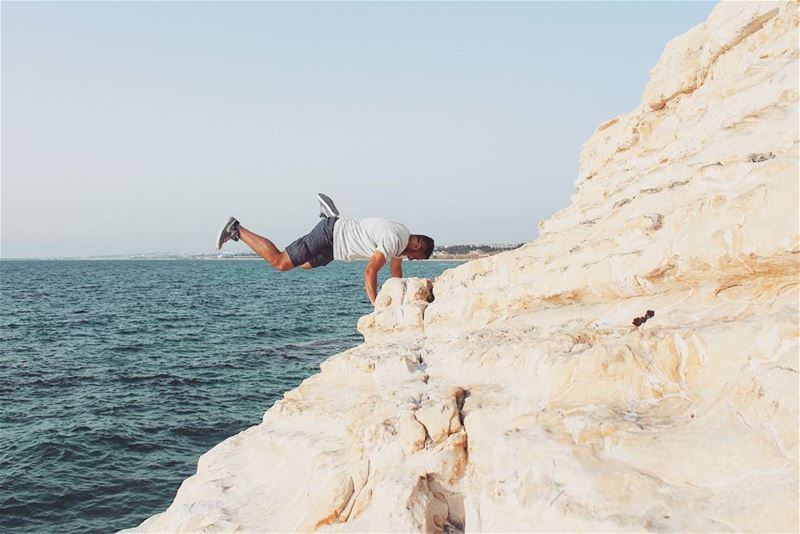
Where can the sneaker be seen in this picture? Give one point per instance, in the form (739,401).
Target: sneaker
(229,231)
(326,206)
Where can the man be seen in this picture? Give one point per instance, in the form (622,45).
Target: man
(376,240)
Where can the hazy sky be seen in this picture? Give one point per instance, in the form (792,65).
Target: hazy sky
(139,127)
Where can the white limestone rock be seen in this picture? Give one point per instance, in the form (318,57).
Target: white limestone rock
(523,398)
(399,308)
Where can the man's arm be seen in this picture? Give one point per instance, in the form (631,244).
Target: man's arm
(375,264)
(396,266)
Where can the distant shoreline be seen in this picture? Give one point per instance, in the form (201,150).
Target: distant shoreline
(441,253)
(209,258)
(444,253)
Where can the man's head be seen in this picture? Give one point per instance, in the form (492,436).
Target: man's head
(420,247)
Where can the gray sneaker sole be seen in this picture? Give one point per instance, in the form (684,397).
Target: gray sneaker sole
(328,207)
(224,233)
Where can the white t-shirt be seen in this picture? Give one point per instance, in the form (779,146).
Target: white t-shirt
(361,238)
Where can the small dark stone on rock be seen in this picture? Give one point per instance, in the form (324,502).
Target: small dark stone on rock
(639,321)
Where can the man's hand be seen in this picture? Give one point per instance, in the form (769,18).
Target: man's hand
(376,263)
(396,266)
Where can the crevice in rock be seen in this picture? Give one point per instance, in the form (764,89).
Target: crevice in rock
(428,439)
(431,296)
(622,202)
(347,510)
(657,221)
(438,493)
(678,183)
(460,399)
(340,504)
(455,520)
(759,157)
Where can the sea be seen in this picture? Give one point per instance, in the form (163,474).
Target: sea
(115,376)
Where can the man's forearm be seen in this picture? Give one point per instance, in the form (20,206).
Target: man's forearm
(371,285)
(397,268)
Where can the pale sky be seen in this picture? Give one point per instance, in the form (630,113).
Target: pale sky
(139,127)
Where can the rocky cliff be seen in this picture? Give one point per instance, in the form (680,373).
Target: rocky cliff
(523,398)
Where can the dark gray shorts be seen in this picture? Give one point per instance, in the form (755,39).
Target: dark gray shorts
(315,247)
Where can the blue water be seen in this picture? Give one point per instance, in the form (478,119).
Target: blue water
(115,376)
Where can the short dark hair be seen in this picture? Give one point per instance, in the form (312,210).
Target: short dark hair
(425,245)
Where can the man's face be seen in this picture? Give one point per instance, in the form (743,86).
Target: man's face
(415,255)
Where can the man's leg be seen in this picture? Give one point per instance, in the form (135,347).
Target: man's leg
(318,261)
(266,249)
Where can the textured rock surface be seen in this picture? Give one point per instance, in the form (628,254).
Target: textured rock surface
(522,398)
(399,308)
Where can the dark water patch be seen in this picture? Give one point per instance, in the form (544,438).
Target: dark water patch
(61,382)
(159,377)
(126,348)
(84,322)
